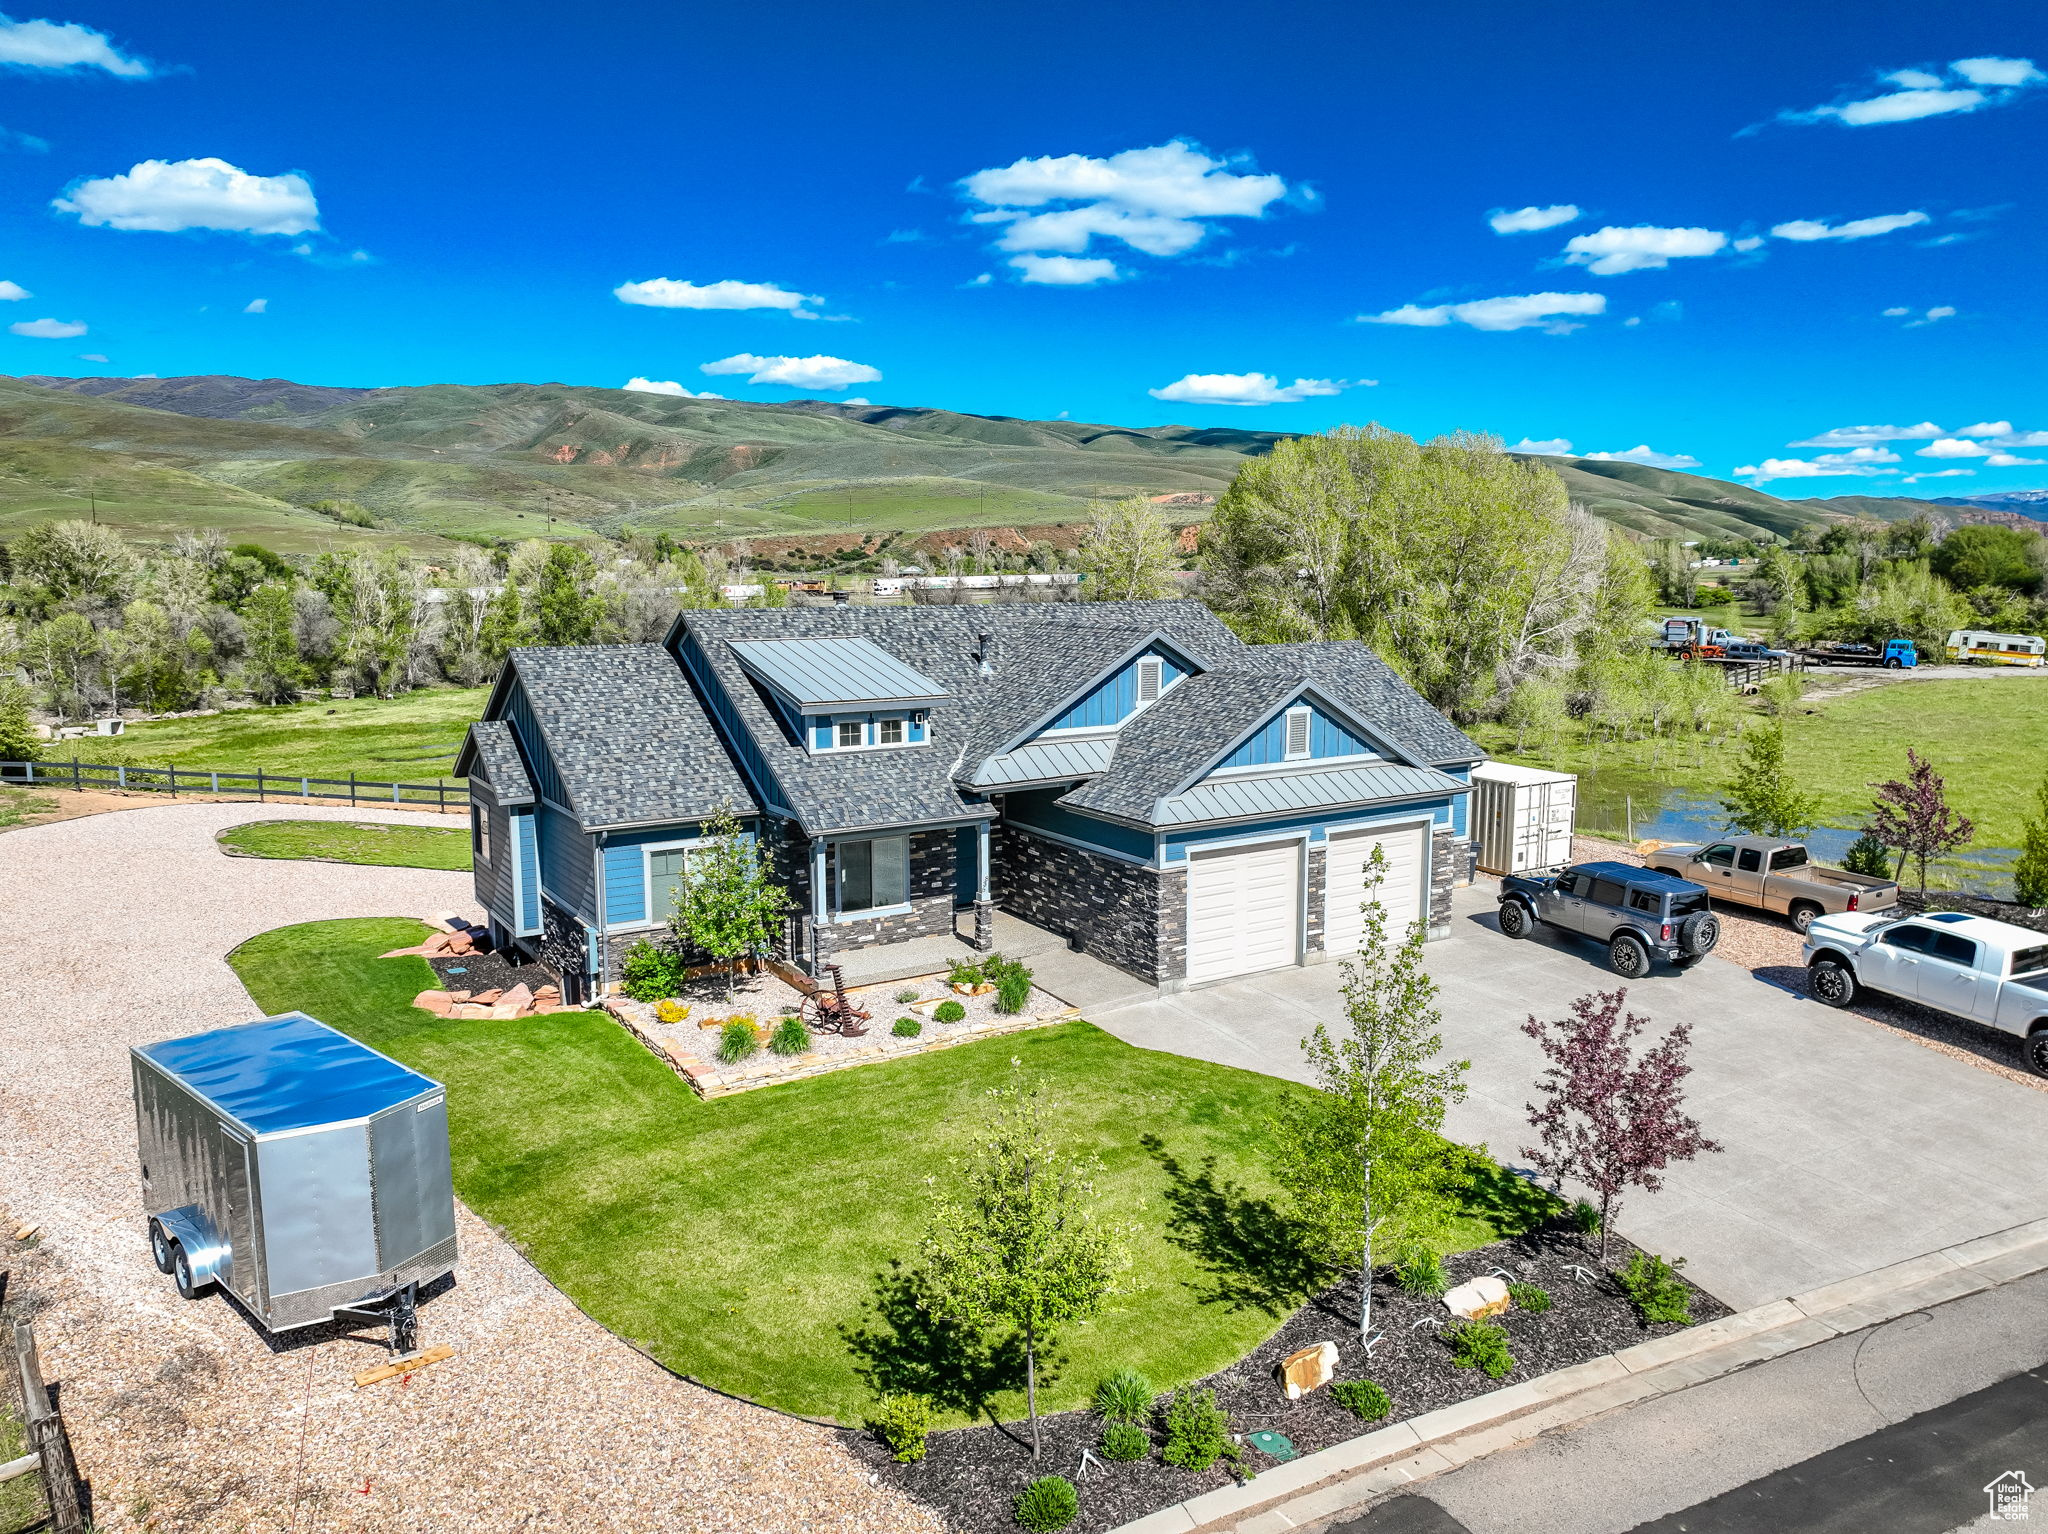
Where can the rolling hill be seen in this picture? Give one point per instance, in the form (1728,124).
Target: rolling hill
(156,455)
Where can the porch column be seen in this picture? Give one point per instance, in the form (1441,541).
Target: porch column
(984,903)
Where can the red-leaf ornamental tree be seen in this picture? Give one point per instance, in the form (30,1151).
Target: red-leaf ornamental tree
(1610,1118)
(1913,817)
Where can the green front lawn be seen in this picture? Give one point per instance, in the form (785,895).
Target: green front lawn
(748,1241)
(17,805)
(344,841)
(412,738)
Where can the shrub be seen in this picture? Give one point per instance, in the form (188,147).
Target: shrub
(1013,990)
(1480,1345)
(791,1037)
(671,1011)
(1422,1272)
(906,996)
(1362,1398)
(906,1027)
(963,972)
(1125,1396)
(948,1012)
(651,973)
(1585,1217)
(1655,1287)
(1868,855)
(737,1039)
(1197,1431)
(903,1422)
(1047,1504)
(1125,1442)
(1533,1298)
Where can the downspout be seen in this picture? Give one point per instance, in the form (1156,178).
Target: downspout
(601,914)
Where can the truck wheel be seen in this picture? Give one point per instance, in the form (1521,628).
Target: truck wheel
(181,1274)
(1628,957)
(2037,1051)
(162,1247)
(1514,919)
(1894,664)
(1699,933)
(1803,913)
(1830,983)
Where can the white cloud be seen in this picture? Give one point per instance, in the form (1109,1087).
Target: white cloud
(256,306)
(1855,229)
(1550,447)
(64,45)
(1860,463)
(1529,220)
(49,330)
(2018,439)
(854,399)
(13,292)
(1643,247)
(194,194)
(980,280)
(669,293)
(1986,429)
(796,372)
(1970,84)
(1065,271)
(1158,200)
(1857,436)
(2012,461)
(1246,389)
(1648,456)
(1914,479)
(1747,243)
(1933,316)
(1516,312)
(666,386)
(1953,447)
(1897,310)
(92,357)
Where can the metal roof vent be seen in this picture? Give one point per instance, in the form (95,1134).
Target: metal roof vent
(981,654)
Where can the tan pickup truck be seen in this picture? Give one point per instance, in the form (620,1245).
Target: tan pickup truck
(1764,871)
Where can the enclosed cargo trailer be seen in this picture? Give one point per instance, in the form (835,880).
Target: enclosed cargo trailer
(299,1170)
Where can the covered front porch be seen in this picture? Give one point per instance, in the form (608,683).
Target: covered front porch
(1077,979)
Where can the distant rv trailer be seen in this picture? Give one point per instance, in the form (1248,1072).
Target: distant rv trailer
(896,585)
(1980,647)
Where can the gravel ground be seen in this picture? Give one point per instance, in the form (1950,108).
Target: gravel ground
(184,1416)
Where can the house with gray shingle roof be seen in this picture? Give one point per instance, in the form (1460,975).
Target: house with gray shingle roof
(1130,776)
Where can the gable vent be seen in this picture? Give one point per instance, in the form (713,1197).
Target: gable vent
(1297,733)
(1149,673)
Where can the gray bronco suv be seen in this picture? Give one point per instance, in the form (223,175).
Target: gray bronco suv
(1638,913)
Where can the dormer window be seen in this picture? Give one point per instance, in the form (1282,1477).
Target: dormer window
(889,732)
(1150,671)
(850,733)
(1298,720)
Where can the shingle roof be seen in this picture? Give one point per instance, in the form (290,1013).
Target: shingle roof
(827,673)
(1349,672)
(629,739)
(1189,726)
(492,743)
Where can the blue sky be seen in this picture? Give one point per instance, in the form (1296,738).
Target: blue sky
(1750,235)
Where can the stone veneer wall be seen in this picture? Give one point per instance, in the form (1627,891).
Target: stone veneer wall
(563,947)
(1318,900)
(1124,914)
(931,901)
(1449,857)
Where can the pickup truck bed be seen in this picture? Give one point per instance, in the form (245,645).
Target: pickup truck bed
(1775,875)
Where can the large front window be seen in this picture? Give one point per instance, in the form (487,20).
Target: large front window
(666,871)
(874,875)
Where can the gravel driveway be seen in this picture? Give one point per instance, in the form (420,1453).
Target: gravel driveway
(184,1417)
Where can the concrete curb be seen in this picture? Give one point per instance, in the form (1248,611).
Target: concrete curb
(1341,1479)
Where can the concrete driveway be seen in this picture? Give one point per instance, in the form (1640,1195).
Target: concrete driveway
(1846,1147)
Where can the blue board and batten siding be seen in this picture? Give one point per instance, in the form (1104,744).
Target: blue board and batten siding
(528,845)
(1326,738)
(540,762)
(565,863)
(1443,813)
(1117,699)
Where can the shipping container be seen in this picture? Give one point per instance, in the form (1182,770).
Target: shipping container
(299,1170)
(1522,817)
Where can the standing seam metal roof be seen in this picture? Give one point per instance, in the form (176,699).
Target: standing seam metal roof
(842,671)
(1294,793)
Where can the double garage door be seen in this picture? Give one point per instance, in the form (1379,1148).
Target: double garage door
(1245,903)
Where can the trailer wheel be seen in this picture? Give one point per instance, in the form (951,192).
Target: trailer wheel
(162,1247)
(1830,983)
(1803,914)
(181,1273)
(1514,919)
(1628,957)
(2037,1051)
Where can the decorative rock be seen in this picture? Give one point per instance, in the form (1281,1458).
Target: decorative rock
(1308,1369)
(1483,1298)
(457,943)
(487,998)
(470,1009)
(503,1012)
(519,997)
(436,1002)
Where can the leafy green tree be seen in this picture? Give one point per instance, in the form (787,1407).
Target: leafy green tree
(273,671)
(504,626)
(1906,600)
(1991,556)
(565,610)
(729,903)
(76,562)
(1761,799)
(1020,1245)
(1362,1157)
(1867,855)
(18,741)
(64,657)
(2029,869)
(1128,551)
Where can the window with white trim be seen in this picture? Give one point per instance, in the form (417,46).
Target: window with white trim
(849,733)
(1298,722)
(480,831)
(889,732)
(668,870)
(1151,674)
(873,876)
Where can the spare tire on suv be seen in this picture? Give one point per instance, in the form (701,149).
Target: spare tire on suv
(1698,933)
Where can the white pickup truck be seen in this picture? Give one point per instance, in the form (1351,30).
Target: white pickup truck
(1988,971)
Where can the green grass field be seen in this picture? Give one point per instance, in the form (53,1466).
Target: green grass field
(342,841)
(412,738)
(21,1499)
(750,1241)
(16,805)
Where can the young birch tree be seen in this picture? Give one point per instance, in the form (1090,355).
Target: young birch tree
(729,902)
(1362,1157)
(1020,1245)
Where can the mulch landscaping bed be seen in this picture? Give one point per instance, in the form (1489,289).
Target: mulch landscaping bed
(972,1475)
(487,971)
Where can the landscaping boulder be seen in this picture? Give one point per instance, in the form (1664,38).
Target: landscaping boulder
(436,1002)
(519,998)
(1482,1299)
(1306,1369)
(486,998)
(457,943)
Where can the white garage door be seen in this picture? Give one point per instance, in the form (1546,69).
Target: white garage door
(1244,910)
(1401,887)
